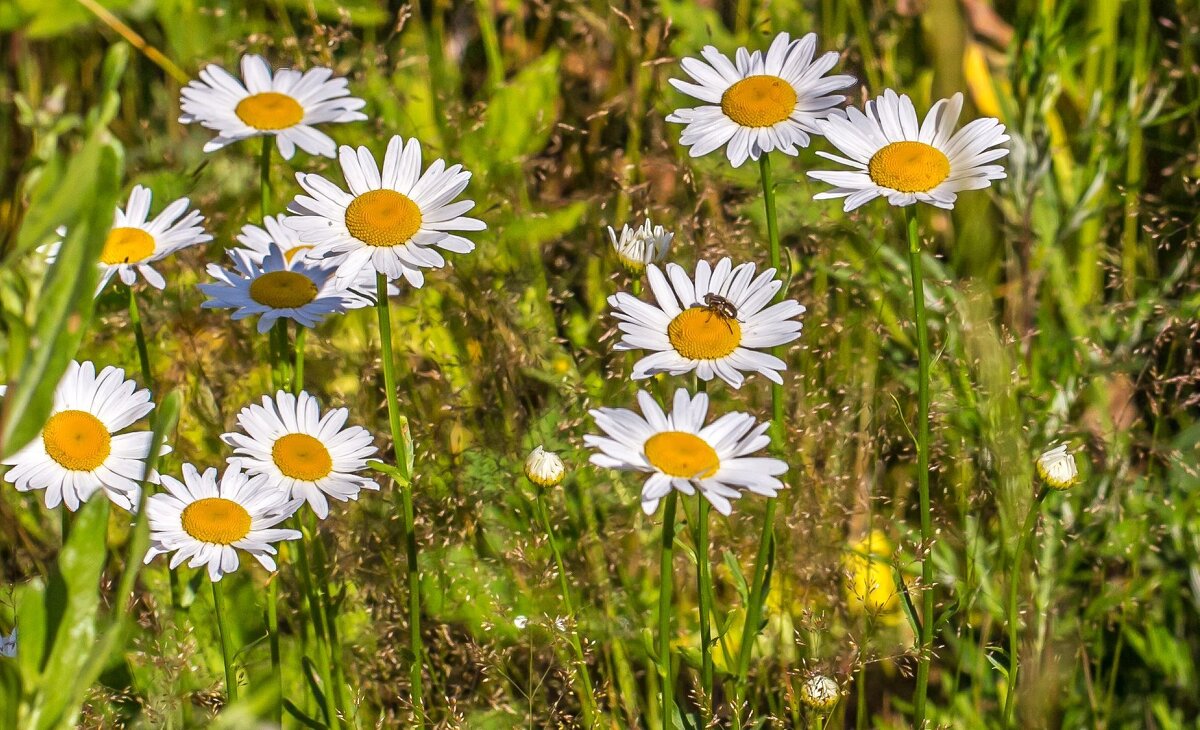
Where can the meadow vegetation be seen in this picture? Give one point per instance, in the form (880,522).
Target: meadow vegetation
(1062,305)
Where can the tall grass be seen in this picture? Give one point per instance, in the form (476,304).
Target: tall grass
(1062,305)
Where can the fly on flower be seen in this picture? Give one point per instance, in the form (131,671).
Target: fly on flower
(716,322)
(758,102)
(135,241)
(679,452)
(286,105)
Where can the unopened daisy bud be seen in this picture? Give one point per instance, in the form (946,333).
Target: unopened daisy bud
(1057,468)
(820,693)
(641,246)
(544,468)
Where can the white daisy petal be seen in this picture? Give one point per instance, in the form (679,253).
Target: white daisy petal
(710,323)
(80,449)
(285,106)
(892,156)
(679,452)
(760,104)
(205,522)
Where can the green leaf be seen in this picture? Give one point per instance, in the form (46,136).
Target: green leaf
(519,118)
(739,579)
(64,306)
(72,599)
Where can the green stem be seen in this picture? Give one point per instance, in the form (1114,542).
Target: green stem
(587,696)
(135,319)
(139,336)
(317,620)
(1014,620)
(231,691)
(926,638)
(704,581)
(264,174)
(298,359)
(666,581)
(273,636)
(766,543)
(403,446)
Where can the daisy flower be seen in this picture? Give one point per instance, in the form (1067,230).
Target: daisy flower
(896,157)
(135,242)
(257,242)
(206,523)
(714,323)
(79,450)
(286,106)
(391,222)
(761,103)
(641,246)
(298,451)
(819,692)
(274,290)
(8,644)
(1057,468)
(679,452)
(544,468)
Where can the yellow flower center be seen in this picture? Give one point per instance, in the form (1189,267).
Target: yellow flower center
(127,246)
(283,290)
(700,333)
(681,454)
(910,167)
(269,111)
(292,253)
(216,520)
(383,218)
(77,440)
(302,457)
(759,101)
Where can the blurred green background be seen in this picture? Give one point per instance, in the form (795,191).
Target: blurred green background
(1063,302)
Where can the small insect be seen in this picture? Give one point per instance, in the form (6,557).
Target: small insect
(720,305)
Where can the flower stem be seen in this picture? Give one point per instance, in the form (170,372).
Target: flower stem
(766,543)
(135,319)
(926,638)
(231,691)
(273,636)
(1014,620)
(402,443)
(666,580)
(298,359)
(704,583)
(586,693)
(264,174)
(139,336)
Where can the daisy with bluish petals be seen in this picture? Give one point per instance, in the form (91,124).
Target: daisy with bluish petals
(758,102)
(206,523)
(135,241)
(392,221)
(79,450)
(679,452)
(716,323)
(894,155)
(287,105)
(257,242)
(301,452)
(272,290)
